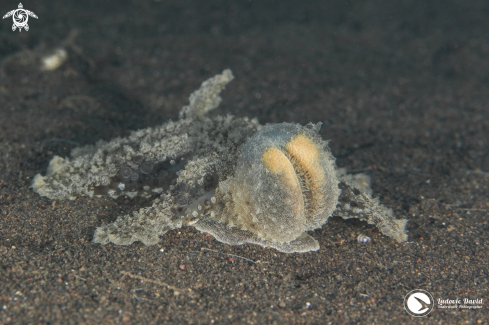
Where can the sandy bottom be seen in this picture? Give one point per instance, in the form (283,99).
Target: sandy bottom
(401,90)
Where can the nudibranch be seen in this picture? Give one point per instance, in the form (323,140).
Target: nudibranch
(230,177)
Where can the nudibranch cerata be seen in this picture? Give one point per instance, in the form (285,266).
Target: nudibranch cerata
(230,177)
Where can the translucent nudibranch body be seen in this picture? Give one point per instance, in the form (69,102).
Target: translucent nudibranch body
(285,184)
(230,177)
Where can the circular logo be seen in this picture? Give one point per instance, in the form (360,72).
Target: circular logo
(20,17)
(419,303)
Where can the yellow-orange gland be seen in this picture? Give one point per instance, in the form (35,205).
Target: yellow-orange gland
(305,161)
(278,163)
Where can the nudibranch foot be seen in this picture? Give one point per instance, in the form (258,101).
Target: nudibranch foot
(235,236)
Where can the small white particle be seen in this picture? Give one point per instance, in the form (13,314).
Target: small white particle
(54,61)
(363,239)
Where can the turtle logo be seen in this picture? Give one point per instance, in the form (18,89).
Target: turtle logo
(20,17)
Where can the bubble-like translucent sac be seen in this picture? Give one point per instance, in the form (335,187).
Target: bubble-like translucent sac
(146,167)
(126,172)
(284,184)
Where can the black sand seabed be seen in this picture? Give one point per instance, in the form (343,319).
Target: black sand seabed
(402,90)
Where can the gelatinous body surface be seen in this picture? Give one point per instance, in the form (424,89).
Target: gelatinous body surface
(231,177)
(284,184)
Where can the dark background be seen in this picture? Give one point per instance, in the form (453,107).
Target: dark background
(402,90)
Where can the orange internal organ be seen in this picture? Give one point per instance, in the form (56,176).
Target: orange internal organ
(278,163)
(307,162)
